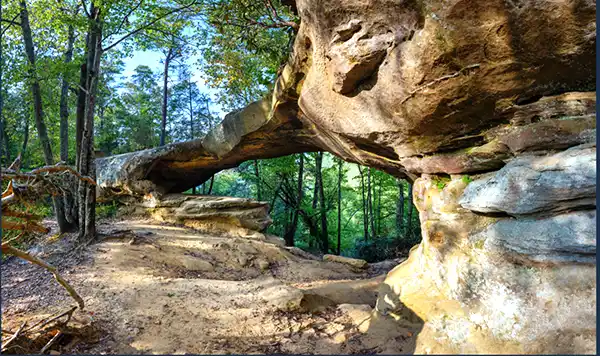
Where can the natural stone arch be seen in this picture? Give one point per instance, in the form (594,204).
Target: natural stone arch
(445,93)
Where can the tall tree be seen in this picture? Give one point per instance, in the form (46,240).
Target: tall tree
(4,149)
(364,204)
(399,207)
(163,125)
(370,202)
(38,112)
(410,209)
(257,174)
(291,231)
(64,96)
(339,208)
(322,206)
(86,164)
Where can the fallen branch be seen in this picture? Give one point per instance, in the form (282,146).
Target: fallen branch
(51,342)
(435,81)
(28,226)
(14,337)
(43,322)
(54,169)
(24,255)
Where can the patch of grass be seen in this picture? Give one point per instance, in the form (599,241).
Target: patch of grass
(466,179)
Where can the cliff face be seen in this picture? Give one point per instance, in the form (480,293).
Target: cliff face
(489,106)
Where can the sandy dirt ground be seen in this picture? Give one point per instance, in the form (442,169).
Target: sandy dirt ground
(153,288)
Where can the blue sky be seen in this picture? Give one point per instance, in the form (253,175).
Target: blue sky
(153,60)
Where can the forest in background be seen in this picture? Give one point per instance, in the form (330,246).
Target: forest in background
(64,97)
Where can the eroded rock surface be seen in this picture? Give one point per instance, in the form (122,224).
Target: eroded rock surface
(489,107)
(489,284)
(234,216)
(532,184)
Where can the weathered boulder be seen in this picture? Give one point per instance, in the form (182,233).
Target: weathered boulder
(531,184)
(354,262)
(234,216)
(567,237)
(490,284)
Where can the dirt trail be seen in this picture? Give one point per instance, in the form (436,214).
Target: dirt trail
(156,288)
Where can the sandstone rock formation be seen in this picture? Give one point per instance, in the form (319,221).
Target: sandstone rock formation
(237,217)
(494,101)
(496,284)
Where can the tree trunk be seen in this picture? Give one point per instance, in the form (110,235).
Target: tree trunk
(399,208)
(339,217)
(257,174)
(80,110)
(323,210)
(291,232)
(87,167)
(191,108)
(25,141)
(4,146)
(212,180)
(364,204)
(410,210)
(378,211)
(38,112)
(64,96)
(370,204)
(163,125)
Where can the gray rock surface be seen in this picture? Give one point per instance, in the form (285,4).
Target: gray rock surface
(557,239)
(532,184)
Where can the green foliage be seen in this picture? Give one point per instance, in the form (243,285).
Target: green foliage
(466,179)
(382,248)
(107,210)
(441,182)
(240,56)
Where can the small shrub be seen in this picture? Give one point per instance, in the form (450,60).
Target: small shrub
(108,210)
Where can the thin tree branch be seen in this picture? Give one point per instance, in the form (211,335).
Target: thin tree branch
(85,8)
(125,18)
(149,24)
(24,255)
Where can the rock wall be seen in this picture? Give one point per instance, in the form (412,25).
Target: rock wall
(508,261)
(489,107)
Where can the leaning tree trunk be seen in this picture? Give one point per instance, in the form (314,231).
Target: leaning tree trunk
(257,174)
(210,187)
(38,113)
(87,167)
